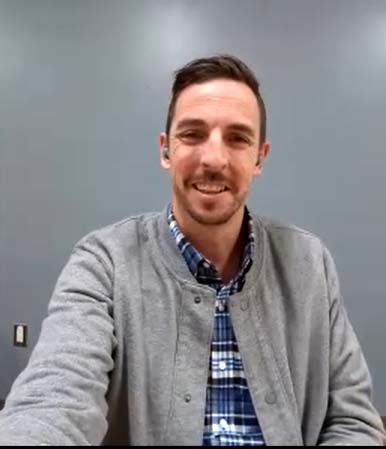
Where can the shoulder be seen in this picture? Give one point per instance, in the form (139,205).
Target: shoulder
(289,240)
(297,254)
(123,233)
(275,227)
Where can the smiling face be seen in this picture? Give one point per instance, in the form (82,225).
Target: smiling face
(213,151)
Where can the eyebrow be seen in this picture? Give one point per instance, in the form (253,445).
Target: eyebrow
(185,123)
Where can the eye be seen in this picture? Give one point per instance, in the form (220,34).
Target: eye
(239,140)
(191,136)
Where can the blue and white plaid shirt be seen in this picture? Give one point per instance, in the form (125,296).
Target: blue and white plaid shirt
(230,417)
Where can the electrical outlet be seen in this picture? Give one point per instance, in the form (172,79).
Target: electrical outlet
(20,334)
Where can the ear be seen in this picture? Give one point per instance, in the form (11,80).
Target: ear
(263,153)
(163,142)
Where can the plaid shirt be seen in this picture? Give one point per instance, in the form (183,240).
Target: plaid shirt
(230,417)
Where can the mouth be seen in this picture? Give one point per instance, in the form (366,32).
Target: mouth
(210,188)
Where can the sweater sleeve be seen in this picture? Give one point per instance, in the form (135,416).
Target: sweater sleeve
(59,399)
(351,418)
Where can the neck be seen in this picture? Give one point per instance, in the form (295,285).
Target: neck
(222,244)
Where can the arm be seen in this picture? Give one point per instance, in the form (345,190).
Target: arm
(351,418)
(60,397)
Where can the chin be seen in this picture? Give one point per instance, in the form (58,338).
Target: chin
(208,212)
(212,218)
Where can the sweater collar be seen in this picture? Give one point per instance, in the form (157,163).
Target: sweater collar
(165,249)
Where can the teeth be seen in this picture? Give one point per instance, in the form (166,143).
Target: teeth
(210,188)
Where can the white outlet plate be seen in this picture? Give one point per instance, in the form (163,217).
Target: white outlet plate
(20,334)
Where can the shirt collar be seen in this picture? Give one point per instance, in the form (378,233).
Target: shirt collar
(199,266)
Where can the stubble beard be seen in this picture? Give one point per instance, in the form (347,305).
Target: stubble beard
(209,217)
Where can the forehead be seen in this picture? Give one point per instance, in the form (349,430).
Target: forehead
(219,100)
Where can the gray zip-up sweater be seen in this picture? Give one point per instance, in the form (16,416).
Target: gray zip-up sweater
(124,352)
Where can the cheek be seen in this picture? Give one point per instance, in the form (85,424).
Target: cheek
(184,167)
(243,172)
(180,174)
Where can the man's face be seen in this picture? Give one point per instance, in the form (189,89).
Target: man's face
(213,150)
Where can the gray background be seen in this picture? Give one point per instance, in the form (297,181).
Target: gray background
(84,87)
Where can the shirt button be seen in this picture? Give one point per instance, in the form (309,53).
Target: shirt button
(187,398)
(222,365)
(197,300)
(223,424)
(270,398)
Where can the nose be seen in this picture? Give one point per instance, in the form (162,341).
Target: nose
(214,155)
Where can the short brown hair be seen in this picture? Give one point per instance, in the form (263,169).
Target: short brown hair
(207,69)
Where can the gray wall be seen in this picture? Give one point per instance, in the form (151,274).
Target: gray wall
(84,86)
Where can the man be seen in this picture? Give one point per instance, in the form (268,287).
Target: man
(200,324)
